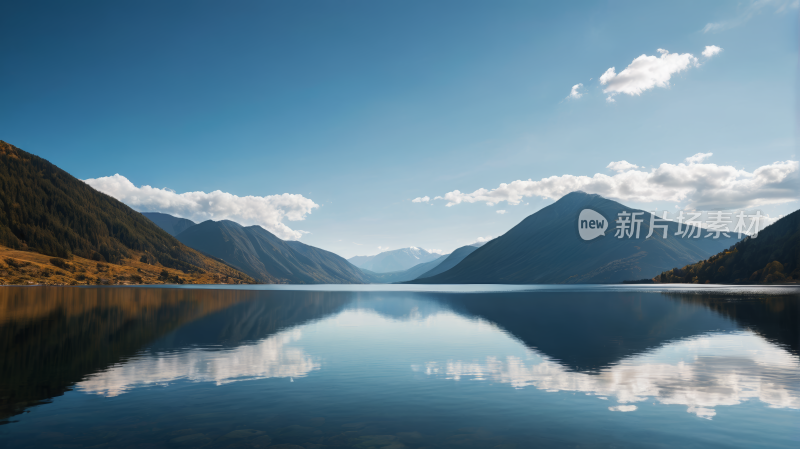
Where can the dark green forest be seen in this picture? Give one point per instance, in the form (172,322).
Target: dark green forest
(45,209)
(769,258)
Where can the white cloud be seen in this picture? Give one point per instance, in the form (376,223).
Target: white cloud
(266,211)
(383,248)
(501,212)
(700,185)
(423,199)
(621,166)
(697,158)
(482,239)
(749,10)
(645,73)
(434,251)
(711,50)
(574,94)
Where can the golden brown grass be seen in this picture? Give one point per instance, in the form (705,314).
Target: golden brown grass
(27,268)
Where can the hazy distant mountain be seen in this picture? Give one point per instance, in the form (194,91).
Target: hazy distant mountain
(396,260)
(405,275)
(545,248)
(451,261)
(261,254)
(772,257)
(173,225)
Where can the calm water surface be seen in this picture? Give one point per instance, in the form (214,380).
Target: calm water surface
(411,367)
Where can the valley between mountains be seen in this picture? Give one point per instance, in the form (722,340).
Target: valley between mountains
(56,229)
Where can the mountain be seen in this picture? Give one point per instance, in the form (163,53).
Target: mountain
(44,209)
(396,260)
(405,275)
(772,256)
(546,248)
(262,255)
(452,260)
(173,225)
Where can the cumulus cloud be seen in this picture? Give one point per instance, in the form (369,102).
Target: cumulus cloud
(501,212)
(482,239)
(574,94)
(701,185)
(267,211)
(621,166)
(645,73)
(711,50)
(422,199)
(434,251)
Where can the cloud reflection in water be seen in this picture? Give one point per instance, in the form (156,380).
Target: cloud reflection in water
(700,373)
(270,357)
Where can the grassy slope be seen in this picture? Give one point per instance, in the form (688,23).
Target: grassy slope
(19,267)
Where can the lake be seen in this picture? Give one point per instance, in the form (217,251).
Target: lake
(291,367)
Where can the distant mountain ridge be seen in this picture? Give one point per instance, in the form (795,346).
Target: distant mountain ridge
(425,269)
(173,225)
(405,275)
(545,248)
(267,258)
(395,260)
(451,261)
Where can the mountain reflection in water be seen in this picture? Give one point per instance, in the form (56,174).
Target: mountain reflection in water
(54,338)
(622,349)
(701,373)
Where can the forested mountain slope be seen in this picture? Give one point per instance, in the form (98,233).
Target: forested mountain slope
(173,225)
(771,257)
(46,210)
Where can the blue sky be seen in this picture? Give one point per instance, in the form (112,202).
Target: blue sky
(363,106)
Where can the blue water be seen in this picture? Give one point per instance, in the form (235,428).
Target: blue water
(395,367)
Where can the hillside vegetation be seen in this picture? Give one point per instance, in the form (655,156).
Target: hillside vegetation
(772,257)
(26,267)
(44,209)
